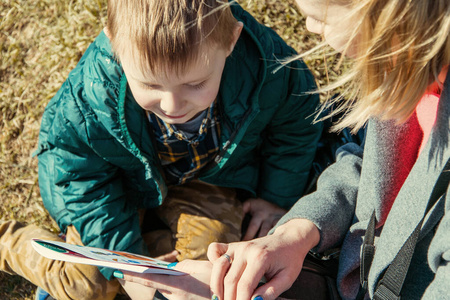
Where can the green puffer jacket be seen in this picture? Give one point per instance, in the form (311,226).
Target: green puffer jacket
(98,165)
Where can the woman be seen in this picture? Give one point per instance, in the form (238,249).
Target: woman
(401,52)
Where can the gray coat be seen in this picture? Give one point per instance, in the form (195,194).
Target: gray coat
(350,189)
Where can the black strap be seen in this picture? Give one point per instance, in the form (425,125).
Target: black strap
(391,283)
(367,253)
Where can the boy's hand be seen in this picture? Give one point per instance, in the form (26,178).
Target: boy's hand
(138,291)
(169,257)
(195,285)
(264,215)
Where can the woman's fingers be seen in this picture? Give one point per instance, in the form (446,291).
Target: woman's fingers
(249,280)
(273,288)
(220,268)
(221,264)
(216,250)
(238,279)
(232,277)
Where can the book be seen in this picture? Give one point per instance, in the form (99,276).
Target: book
(102,257)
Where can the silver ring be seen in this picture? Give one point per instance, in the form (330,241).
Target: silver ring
(230,260)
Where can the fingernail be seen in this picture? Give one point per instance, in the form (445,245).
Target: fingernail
(172,265)
(214,297)
(118,274)
(258,298)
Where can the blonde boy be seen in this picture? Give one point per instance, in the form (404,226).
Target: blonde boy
(173,116)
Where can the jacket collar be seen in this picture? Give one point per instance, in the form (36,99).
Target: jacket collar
(406,211)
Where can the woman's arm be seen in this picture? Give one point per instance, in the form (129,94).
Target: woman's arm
(311,223)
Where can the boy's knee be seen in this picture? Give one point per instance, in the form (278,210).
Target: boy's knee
(77,281)
(198,214)
(195,233)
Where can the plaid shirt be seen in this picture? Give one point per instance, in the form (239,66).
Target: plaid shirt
(183,155)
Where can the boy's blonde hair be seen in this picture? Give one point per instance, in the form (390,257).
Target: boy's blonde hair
(401,47)
(168,34)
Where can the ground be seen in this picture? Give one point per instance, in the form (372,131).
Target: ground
(40,42)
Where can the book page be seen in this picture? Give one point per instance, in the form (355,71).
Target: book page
(102,257)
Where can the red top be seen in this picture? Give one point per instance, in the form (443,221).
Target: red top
(417,134)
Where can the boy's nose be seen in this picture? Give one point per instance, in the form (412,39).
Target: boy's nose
(170,103)
(314,26)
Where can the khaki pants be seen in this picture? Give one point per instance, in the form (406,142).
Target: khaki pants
(60,279)
(197,214)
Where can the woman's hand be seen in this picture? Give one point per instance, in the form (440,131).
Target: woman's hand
(264,215)
(194,285)
(278,257)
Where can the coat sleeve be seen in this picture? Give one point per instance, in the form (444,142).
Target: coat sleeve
(336,194)
(439,257)
(81,188)
(291,137)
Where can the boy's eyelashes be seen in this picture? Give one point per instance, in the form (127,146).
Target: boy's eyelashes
(196,86)
(150,86)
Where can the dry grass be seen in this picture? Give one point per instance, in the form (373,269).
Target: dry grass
(40,42)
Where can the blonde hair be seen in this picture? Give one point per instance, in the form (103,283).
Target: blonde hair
(168,34)
(401,47)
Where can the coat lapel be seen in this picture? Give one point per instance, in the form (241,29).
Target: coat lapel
(407,211)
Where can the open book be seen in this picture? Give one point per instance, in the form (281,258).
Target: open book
(102,257)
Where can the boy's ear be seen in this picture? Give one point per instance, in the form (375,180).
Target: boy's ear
(236,34)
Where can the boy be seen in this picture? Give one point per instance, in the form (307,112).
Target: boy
(176,109)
